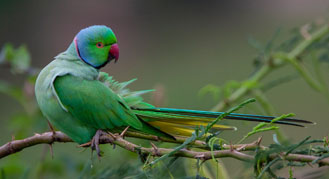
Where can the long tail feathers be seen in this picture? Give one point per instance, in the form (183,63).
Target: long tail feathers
(182,122)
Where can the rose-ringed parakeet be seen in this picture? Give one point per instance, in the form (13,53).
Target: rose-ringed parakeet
(79,100)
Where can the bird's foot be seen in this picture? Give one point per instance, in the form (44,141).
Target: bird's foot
(112,138)
(95,142)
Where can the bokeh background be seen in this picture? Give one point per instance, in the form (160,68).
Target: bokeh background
(177,47)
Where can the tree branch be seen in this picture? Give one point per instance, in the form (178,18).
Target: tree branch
(44,138)
(231,151)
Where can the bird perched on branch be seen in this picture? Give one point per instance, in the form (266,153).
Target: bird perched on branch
(80,100)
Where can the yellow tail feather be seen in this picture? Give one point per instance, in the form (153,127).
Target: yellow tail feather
(184,128)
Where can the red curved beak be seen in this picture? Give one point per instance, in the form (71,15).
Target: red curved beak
(114,52)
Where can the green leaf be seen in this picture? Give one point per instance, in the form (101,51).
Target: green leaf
(267,167)
(210,89)
(292,148)
(261,127)
(19,59)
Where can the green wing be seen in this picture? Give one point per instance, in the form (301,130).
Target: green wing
(97,106)
(94,104)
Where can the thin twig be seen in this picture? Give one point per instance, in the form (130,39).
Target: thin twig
(275,61)
(228,150)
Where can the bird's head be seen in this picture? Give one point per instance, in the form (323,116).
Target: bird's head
(96,45)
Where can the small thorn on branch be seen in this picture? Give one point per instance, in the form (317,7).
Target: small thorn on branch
(51,150)
(259,140)
(124,132)
(231,147)
(85,144)
(155,149)
(51,128)
(242,147)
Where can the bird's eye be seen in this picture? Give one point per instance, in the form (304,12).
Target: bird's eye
(99,45)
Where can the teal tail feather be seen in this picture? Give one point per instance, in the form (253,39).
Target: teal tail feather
(232,116)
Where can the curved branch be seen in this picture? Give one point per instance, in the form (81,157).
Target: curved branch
(232,151)
(44,138)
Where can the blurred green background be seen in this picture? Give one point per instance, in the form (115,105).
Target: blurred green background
(177,47)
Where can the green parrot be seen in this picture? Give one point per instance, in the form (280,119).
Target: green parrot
(79,100)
